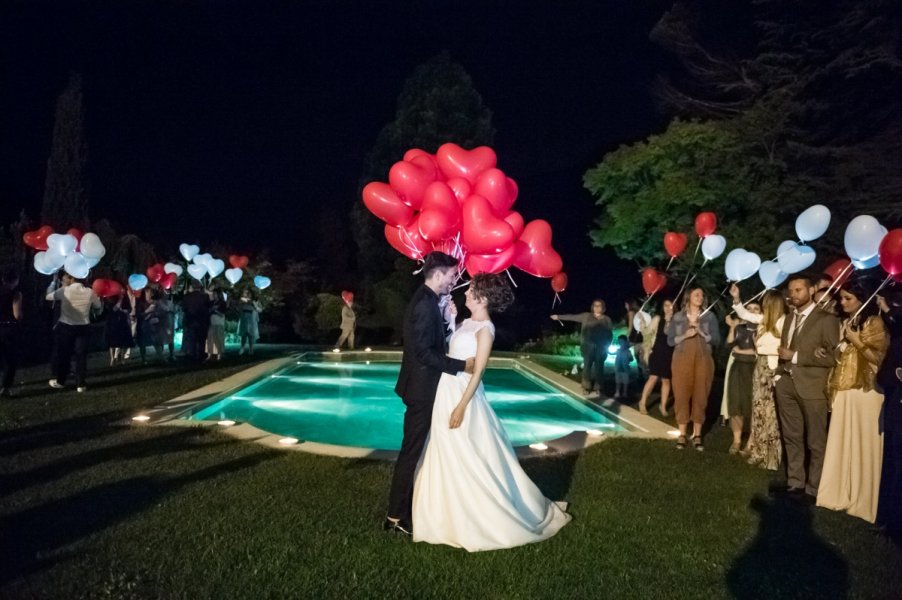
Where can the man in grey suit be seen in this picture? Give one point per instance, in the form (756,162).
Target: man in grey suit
(806,356)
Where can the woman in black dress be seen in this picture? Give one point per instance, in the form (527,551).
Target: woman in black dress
(659,359)
(118,329)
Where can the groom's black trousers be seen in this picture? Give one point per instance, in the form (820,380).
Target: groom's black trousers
(417,420)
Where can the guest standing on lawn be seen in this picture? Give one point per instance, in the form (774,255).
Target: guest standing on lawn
(596,334)
(889,378)
(216,334)
(118,328)
(622,361)
(659,359)
(195,322)
(852,463)
(742,371)
(764,446)
(10,315)
(248,322)
(693,333)
(72,330)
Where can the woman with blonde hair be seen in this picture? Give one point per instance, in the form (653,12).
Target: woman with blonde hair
(764,446)
(693,332)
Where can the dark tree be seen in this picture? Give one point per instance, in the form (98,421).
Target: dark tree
(437,105)
(66,186)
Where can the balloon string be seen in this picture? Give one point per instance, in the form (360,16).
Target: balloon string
(555,300)
(697,246)
(669,262)
(408,243)
(511,277)
(712,305)
(834,284)
(647,300)
(756,296)
(877,291)
(683,287)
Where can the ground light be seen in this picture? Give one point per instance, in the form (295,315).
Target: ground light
(674,433)
(538,446)
(367,349)
(226,423)
(594,432)
(288,441)
(141,418)
(336,350)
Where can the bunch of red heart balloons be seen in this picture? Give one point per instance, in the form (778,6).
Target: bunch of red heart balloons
(459,202)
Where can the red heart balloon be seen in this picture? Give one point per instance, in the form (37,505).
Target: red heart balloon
(347,297)
(168,280)
(454,161)
(490,263)
(415,153)
(383,202)
(705,224)
(515,220)
(512,190)
(483,232)
(534,252)
(652,280)
(407,240)
(37,239)
(238,261)
(674,243)
(559,282)
(440,217)
(410,180)
(99,287)
(155,273)
(839,271)
(461,188)
(492,185)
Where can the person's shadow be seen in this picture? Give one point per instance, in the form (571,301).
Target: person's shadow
(787,559)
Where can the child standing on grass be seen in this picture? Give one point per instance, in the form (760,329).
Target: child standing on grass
(622,360)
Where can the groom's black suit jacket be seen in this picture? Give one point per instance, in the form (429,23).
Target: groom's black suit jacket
(424,358)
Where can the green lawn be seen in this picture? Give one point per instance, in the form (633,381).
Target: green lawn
(94,509)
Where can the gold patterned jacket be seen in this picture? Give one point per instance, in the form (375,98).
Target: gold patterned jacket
(853,370)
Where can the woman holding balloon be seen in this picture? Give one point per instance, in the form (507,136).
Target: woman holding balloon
(659,359)
(764,446)
(693,333)
(851,476)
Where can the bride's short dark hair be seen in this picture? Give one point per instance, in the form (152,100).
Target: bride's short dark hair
(494,288)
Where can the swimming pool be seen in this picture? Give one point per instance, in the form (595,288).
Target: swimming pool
(354,404)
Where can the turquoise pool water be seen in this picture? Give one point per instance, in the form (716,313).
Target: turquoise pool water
(354,404)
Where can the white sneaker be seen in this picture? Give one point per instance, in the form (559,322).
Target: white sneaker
(55,384)
(81,389)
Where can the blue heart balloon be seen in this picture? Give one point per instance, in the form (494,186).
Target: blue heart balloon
(262,282)
(137,281)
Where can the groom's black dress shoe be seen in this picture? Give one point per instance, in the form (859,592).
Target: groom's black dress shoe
(397,527)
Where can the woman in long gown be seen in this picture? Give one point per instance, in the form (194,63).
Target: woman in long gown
(854,456)
(764,447)
(470,491)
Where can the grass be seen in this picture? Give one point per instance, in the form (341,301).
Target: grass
(90,508)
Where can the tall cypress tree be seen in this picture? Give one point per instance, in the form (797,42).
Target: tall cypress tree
(438,104)
(66,186)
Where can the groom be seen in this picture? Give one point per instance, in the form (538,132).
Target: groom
(422,365)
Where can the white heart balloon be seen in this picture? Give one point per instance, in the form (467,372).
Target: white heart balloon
(77,266)
(62,243)
(41,266)
(234,275)
(91,246)
(173,268)
(713,246)
(53,259)
(197,271)
(92,262)
(215,267)
(203,259)
(188,251)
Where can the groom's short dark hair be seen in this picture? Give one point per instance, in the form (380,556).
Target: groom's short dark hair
(438,260)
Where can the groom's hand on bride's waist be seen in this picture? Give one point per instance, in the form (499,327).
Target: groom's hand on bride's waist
(470,363)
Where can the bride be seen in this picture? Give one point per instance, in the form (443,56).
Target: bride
(470,492)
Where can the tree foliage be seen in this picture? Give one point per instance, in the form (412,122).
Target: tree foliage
(66,185)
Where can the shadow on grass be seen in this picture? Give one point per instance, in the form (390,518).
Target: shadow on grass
(57,433)
(787,559)
(31,535)
(180,441)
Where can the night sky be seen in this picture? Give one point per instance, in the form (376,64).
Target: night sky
(234,121)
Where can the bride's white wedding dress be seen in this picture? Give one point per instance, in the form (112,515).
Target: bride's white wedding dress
(470,491)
